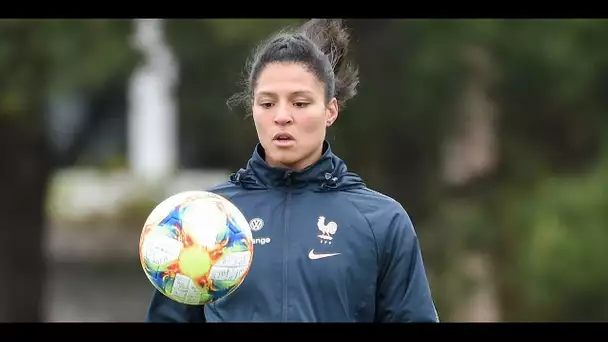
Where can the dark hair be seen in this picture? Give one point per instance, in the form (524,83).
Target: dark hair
(321,45)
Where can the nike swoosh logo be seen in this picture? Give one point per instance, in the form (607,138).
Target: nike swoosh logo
(313,256)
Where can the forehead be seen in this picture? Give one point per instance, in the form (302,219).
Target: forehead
(282,78)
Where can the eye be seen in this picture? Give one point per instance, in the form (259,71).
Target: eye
(301,104)
(266,105)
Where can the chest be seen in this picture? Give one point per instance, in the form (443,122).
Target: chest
(309,234)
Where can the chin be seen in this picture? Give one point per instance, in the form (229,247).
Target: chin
(285,158)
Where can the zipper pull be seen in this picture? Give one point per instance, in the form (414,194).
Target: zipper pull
(287,177)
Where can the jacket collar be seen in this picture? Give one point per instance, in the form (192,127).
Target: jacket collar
(328,172)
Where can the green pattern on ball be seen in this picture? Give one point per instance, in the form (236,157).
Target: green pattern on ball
(194,262)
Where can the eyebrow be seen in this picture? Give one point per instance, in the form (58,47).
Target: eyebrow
(295,93)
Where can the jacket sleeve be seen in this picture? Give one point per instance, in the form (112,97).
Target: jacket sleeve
(403,293)
(164,310)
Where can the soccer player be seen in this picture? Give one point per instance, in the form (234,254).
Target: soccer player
(328,249)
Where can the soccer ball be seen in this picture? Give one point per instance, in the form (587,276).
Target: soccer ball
(196,247)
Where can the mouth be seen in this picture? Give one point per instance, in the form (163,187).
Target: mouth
(283,139)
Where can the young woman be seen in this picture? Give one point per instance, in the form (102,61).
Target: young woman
(328,249)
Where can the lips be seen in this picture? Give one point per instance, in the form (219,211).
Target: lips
(283,140)
(283,136)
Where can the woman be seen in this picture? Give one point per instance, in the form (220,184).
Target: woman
(328,249)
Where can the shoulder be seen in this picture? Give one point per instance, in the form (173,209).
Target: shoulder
(385,215)
(227,189)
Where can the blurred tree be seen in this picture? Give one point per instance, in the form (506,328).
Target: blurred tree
(551,123)
(36,58)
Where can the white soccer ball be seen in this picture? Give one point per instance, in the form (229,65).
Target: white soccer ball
(196,247)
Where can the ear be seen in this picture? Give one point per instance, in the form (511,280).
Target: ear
(331,112)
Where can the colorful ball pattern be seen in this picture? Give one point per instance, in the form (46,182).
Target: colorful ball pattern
(196,247)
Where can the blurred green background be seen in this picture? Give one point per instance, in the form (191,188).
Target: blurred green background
(489,132)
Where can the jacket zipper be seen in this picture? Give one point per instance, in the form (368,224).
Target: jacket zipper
(286,248)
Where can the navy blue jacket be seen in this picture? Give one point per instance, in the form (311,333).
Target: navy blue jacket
(327,249)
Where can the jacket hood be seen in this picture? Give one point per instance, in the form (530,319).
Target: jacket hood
(326,174)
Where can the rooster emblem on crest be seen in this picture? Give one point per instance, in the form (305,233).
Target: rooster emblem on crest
(327,230)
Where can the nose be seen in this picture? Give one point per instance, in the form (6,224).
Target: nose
(283,117)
